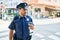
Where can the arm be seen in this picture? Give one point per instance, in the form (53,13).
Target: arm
(10,34)
(31,24)
(31,27)
(11,29)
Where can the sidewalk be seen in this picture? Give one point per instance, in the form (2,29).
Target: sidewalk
(4,25)
(37,21)
(46,21)
(4,28)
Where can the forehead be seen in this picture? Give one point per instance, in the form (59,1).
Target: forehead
(22,9)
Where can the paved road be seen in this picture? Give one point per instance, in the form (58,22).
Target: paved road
(47,32)
(41,32)
(4,30)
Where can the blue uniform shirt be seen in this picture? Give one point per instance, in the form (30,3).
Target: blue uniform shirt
(21,26)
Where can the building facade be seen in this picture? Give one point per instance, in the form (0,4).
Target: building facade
(37,8)
(2,9)
(47,7)
(10,7)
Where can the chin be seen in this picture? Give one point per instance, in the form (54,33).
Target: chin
(23,14)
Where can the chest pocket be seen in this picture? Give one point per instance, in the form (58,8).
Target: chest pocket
(18,25)
(28,21)
(25,22)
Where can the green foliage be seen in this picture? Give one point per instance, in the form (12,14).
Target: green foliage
(37,10)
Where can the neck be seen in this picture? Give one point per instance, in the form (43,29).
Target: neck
(22,15)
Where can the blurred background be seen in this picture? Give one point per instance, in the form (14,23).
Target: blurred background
(45,15)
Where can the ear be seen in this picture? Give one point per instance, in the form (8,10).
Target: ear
(19,9)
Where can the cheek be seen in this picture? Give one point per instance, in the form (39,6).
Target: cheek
(24,11)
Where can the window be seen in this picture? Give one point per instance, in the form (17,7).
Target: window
(58,1)
(28,0)
(0,10)
(1,2)
(55,0)
(49,0)
(37,10)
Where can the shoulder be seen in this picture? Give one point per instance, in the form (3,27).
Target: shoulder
(28,17)
(15,18)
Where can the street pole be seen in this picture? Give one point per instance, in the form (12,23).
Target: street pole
(2,13)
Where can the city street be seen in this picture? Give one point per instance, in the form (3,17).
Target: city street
(47,32)
(4,29)
(45,15)
(41,32)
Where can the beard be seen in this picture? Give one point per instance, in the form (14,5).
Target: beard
(23,14)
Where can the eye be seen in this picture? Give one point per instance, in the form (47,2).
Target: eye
(25,9)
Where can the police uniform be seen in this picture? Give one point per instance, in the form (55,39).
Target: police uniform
(21,26)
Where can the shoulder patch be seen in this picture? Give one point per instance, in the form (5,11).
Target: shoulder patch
(27,19)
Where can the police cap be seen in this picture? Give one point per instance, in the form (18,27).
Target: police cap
(22,5)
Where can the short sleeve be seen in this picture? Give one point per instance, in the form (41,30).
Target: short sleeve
(31,21)
(12,25)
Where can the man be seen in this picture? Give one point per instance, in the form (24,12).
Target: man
(21,24)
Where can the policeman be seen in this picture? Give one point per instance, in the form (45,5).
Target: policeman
(21,24)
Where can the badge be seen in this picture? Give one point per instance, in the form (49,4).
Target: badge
(27,19)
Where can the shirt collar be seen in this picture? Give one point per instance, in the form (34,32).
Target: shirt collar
(20,16)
